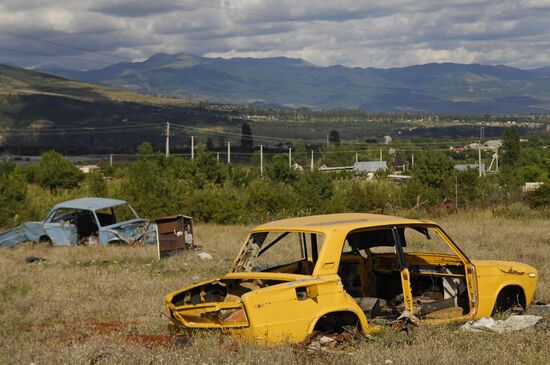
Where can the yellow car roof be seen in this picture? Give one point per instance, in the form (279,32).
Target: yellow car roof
(329,222)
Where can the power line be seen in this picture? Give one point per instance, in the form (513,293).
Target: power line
(58,44)
(55,56)
(404,146)
(90,131)
(122,127)
(318,141)
(231,134)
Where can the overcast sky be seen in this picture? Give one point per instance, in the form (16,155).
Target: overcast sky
(349,32)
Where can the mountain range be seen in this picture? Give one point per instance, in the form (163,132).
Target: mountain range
(290,82)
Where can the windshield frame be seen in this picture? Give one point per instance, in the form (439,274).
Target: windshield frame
(251,254)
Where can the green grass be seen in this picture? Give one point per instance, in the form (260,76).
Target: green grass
(99,305)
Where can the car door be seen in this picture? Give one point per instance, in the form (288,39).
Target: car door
(404,271)
(426,254)
(60,227)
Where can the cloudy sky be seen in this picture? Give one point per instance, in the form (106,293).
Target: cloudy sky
(93,33)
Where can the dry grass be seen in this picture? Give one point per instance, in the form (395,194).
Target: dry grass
(104,305)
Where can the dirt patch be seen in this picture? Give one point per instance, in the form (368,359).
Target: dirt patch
(104,327)
(150,341)
(71,332)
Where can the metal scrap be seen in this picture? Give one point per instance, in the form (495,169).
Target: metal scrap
(510,324)
(174,235)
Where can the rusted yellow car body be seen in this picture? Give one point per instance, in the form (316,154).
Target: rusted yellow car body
(350,271)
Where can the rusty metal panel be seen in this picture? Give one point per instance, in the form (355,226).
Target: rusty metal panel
(174,235)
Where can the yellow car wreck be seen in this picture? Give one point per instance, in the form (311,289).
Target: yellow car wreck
(336,272)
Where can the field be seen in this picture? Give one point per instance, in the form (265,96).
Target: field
(93,305)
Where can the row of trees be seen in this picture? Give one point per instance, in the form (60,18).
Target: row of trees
(216,192)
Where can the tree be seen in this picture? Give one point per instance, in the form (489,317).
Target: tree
(334,137)
(510,144)
(95,185)
(539,198)
(209,144)
(247,143)
(13,192)
(433,169)
(145,149)
(279,170)
(54,171)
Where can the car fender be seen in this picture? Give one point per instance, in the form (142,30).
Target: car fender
(494,276)
(505,283)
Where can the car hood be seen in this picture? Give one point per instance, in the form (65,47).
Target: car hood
(129,231)
(503,267)
(125,224)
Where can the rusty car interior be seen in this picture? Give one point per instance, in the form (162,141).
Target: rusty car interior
(371,265)
(370,269)
(85,222)
(276,252)
(82,219)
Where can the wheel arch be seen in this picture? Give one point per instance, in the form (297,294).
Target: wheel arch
(44,238)
(508,295)
(351,315)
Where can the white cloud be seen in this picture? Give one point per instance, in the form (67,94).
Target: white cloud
(348,32)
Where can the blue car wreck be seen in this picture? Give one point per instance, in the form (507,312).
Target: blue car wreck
(85,221)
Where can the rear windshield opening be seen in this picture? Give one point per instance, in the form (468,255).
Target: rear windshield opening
(116,214)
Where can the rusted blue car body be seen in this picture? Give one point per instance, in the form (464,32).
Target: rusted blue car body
(85,221)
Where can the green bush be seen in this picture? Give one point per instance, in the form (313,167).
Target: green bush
(216,192)
(433,169)
(54,172)
(279,170)
(13,193)
(539,198)
(95,185)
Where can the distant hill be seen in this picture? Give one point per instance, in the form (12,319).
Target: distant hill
(33,102)
(445,87)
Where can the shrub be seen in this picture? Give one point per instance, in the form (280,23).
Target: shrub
(540,197)
(13,192)
(279,170)
(94,184)
(54,172)
(433,169)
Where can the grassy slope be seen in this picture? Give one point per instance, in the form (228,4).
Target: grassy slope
(94,304)
(16,81)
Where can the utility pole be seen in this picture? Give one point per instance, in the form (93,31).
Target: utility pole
(412,160)
(167,139)
(496,153)
(290,157)
(356,157)
(218,156)
(228,152)
(192,147)
(111,159)
(481,133)
(380,154)
(479,159)
(261,160)
(311,161)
